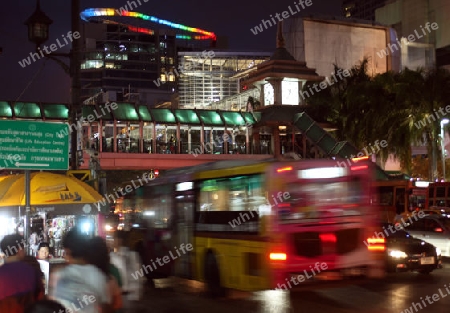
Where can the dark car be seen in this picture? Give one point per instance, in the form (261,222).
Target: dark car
(406,253)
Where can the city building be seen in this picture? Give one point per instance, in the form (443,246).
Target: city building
(127,55)
(205,80)
(424,27)
(325,42)
(361,9)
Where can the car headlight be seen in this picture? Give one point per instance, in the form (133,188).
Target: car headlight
(397,254)
(108,227)
(438,251)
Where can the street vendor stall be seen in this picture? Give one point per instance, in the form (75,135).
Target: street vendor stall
(58,203)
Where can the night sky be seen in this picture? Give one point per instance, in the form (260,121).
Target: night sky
(46,81)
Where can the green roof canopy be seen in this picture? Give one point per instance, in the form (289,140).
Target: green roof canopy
(251,118)
(210,118)
(233,118)
(125,112)
(162,116)
(187,116)
(55,111)
(5,109)
(144,113)
(27,110)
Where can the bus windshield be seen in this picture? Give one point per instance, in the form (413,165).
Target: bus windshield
(325,193)
(312,199)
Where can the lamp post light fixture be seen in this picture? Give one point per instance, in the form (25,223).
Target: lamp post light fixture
(443,122)
(38,26)
(38,32)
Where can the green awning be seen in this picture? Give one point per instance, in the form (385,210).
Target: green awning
(27,110)
(5,109)
(95,113)
(187,116)
(88,111)
(144,113)
(55,111)
(210,118)
(125,112)
(250,117)
(233,118)
(163,116)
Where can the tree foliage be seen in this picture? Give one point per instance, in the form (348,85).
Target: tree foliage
(402,108)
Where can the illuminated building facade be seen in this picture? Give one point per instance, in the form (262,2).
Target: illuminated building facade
(204,81)
(430,45)
(123,62)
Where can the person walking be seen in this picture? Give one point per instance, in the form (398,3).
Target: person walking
(80,286)
(128,262)
(24,284)
(98,255)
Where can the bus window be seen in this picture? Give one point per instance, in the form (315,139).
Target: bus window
(440,192)
(243,193)
(214,195)
(386,194)
(431,196)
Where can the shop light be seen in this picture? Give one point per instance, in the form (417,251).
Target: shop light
(185,186)
(86,227)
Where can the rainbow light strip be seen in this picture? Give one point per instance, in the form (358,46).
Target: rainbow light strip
(98,12)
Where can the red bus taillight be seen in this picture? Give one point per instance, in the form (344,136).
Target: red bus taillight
(376,244)
(328,237)
(358,168)
(278,256)
(284,169)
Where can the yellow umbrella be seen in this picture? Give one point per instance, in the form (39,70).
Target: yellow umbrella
(50,192)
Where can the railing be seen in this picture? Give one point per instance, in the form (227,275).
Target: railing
(132,145)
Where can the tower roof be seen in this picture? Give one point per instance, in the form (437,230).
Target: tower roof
(282,65)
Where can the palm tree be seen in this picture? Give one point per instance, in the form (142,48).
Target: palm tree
(334,104)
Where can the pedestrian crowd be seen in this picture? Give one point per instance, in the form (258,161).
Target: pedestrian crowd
(94,278)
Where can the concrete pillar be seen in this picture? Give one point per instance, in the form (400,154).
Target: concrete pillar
(276,142)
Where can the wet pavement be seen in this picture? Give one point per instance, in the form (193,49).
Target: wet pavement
(397,293)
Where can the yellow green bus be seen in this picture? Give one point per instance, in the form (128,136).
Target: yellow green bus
(261,225)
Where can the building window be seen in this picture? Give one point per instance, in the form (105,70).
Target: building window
(88,64)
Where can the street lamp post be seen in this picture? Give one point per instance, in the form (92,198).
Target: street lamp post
(38,29)
(443,122)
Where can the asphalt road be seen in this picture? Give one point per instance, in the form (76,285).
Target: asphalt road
(397,293)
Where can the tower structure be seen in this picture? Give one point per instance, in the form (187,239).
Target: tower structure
(280,81)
